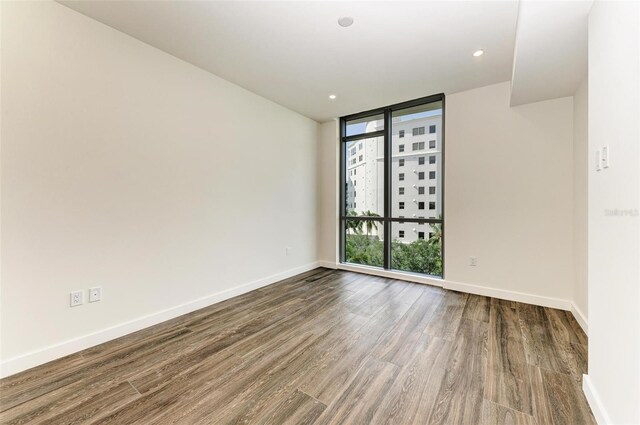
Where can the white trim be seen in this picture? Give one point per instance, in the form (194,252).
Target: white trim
(504,294)
(409,277)
(461,287)
(327,264)
(602,418)
(56,351)
(580,318)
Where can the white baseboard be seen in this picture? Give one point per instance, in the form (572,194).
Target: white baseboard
(327,264)
(504,294)
(26,361)
(470,289)
(594,401)
(580,318)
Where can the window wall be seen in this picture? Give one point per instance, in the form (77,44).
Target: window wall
(392,162)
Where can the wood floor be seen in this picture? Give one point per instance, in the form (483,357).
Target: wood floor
(324,347)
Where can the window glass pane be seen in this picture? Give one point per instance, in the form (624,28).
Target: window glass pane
(365,125)
(417,248)
(364,175)
(419,153)
(364,242)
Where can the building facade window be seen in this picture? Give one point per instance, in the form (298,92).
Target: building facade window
(371,231)
(418,146)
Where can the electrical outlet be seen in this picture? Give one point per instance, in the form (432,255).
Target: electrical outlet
(95,294)
(473,261)
(77,298)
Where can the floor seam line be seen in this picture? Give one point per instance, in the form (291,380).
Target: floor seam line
(134,388)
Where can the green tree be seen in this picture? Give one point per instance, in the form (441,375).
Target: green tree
(353,225)
(370,224)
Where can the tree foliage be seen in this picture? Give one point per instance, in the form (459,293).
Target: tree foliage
(420,256)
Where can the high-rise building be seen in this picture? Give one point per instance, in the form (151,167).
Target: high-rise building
(416,172)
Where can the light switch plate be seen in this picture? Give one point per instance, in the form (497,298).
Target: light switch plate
(598,160)
(605,156)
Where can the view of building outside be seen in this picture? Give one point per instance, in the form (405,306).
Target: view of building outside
(416,191)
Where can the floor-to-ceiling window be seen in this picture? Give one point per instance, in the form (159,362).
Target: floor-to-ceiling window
(392,169)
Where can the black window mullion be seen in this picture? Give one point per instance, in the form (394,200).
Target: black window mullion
(343,174)
(387,189)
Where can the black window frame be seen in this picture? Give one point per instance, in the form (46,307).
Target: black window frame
(386,218)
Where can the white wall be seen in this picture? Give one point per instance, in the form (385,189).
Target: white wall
(508,193)
(613,383)
(125,167)
(580,191)
(328,159)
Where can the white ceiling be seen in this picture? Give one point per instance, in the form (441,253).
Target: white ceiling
(295,54)
(551,49)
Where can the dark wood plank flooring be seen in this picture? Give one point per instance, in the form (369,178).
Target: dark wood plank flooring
(323,347)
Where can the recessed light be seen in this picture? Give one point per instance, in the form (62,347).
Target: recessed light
(478,53)
(345,21)
(332,96)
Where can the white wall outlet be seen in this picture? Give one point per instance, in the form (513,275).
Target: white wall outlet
(77,298)
(287,251)
(598,160)
(605,156)
(95,294)
(473,261)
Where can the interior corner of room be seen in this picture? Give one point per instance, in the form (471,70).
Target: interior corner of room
(158,158)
